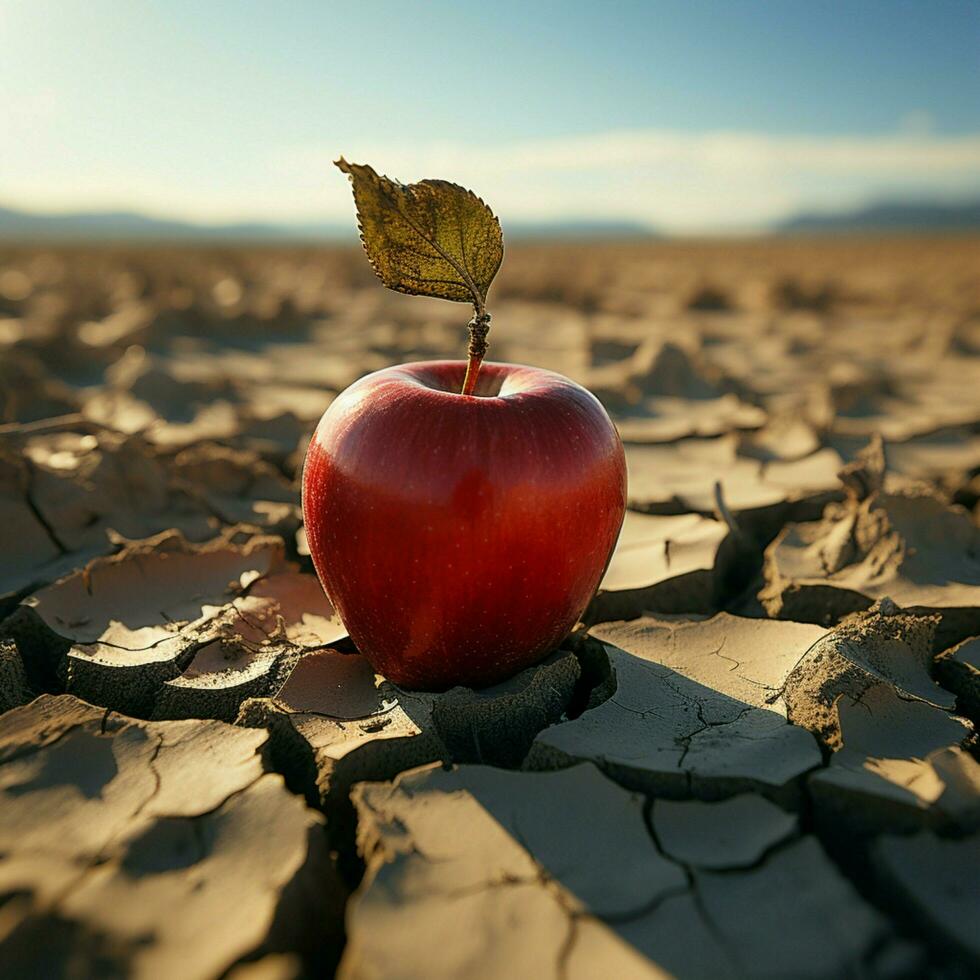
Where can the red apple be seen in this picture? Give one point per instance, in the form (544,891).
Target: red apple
(460,537)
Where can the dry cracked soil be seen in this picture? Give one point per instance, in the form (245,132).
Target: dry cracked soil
(755,757)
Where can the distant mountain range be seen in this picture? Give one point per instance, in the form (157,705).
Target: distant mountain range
(884,216)
(890,216)
(129,226)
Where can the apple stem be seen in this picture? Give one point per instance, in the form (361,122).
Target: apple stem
(479,327)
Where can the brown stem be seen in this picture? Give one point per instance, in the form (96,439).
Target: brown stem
(479,327)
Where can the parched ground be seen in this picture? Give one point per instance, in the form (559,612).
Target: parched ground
(756,756)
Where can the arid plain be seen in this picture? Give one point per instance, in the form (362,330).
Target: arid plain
(756,757)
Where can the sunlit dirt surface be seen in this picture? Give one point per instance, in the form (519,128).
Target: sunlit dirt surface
(756,757)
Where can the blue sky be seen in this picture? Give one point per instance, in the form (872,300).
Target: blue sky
(688,115)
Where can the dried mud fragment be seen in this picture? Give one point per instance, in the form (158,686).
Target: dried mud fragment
(67,494)
(661,393)
(822,928)
(120,411)
(680,478)
(296,599)
(273,435)
(214,422)
(14,686)
(785,437)
(475,849)
(152,832)
(335,722)
(883,646)
(680,418)
(664,564)
(909,547)
(279,400)
(27,392)
(221,675)
(935,880)
(330,708)
(172,384)
(697,710)
(958,669)
(568,854)
(180,402)
(260,639)
(86,484)
(732,833)
(897,758)
(729,925)
(900,410)
(173,402)
(673,940)
(30,553)
(239,487)
(115,631)
(610,341)
(538,333)
(945,457)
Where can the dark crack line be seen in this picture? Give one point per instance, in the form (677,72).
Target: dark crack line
(686,740)
(567,946)
(692,888)
(776,847)
(712,926)
(507,881)
(157,779)
(721,656)
(632,711)
(559,892)
(185,632)
(105,852)
(624,918)
(852,863)
(39,516)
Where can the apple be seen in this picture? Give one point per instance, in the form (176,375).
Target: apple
(460,515)
(461,536)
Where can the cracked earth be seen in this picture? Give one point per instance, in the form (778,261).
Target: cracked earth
(756,756)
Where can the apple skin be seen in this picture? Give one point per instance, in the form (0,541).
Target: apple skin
(460,537)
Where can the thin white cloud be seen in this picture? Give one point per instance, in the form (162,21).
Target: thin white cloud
(720,151)
(680,181)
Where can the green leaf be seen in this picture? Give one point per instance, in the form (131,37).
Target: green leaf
(432,238)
